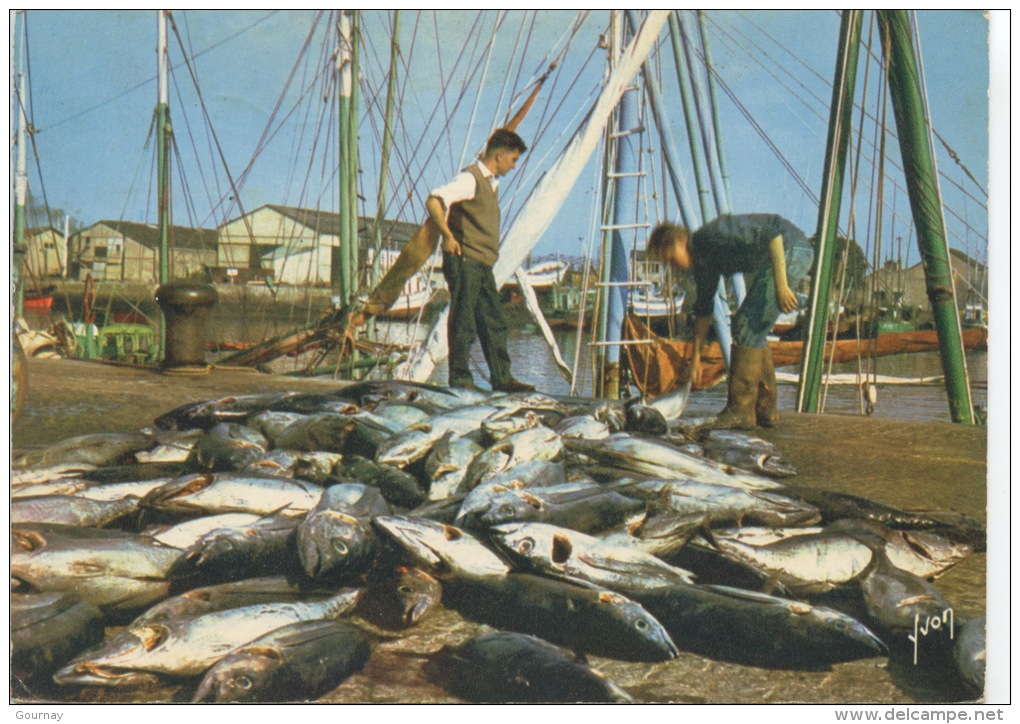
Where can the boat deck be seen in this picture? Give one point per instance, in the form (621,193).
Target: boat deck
(911,465)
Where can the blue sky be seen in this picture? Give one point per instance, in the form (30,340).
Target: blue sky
(92,76)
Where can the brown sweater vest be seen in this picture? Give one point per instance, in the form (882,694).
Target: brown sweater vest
(475,222)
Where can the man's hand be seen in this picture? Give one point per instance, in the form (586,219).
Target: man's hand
(786,299)
(451,245)
(695,368)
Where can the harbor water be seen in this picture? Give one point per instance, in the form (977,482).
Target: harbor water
(247,314)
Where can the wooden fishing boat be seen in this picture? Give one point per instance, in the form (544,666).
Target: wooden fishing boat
(661,365)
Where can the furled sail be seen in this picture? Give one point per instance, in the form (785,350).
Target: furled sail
(548,195)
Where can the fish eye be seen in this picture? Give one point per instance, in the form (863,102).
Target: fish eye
(404,589)
(526,545)
(340,547)
(641,625)
(243,682)
(506,510)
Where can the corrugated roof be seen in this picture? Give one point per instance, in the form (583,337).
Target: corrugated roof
(180,237)
(328,223)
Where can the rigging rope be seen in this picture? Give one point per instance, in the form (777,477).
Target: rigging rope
(745,44)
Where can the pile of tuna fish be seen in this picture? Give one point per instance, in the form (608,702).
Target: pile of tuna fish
(260,547)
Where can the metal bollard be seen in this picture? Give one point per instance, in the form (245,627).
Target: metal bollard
(185,307)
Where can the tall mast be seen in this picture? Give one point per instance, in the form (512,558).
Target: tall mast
(163,131)
(926,205)
(20,186)
(836,147)
(343,267)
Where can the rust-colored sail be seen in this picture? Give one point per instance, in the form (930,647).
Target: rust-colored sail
(664,365)
(415,253)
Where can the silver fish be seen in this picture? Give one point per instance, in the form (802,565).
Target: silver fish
(566,612)
(561,551)
(298,662)
(586,427)
(532,444)
(924,553)
(672,404)
(260,548)
(582,506)
(189,646)
(805,564)
(447,463)
(724,504)
(969,653)
(232,492)
(272,423)
(895,599)
(414,444)
(44,473)
(746,451)
(326,431)
(657,534)
(444,550)
(187,533)
(651,456)
(71,510)
(205,414)
(227,446)
(113,570)
(532,474)
(337,536)
(101,448)
(402,414)
(231,594)
(500,425)
(171,447)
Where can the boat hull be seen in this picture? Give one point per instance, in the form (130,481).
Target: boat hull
(663,366)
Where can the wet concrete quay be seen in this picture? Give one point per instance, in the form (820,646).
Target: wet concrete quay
(922,466)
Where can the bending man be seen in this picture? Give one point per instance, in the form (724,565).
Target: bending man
(773,255)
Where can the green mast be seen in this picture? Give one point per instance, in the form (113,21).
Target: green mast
(346,260)
(926,204)
(828,210)
(163,131)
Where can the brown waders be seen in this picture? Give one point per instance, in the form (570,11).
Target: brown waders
(752,390)
(766,409)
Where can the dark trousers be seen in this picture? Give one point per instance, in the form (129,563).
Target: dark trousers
(474,312)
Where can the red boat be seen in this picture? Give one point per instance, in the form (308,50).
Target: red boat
(38,304)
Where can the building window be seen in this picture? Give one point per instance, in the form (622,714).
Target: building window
(100,252)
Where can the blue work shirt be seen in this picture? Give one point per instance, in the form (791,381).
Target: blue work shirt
(735,243)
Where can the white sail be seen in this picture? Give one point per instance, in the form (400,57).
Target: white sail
(549,193)
(531,302)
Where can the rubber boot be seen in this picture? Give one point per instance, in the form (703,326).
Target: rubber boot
(744,376)
(766,409)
